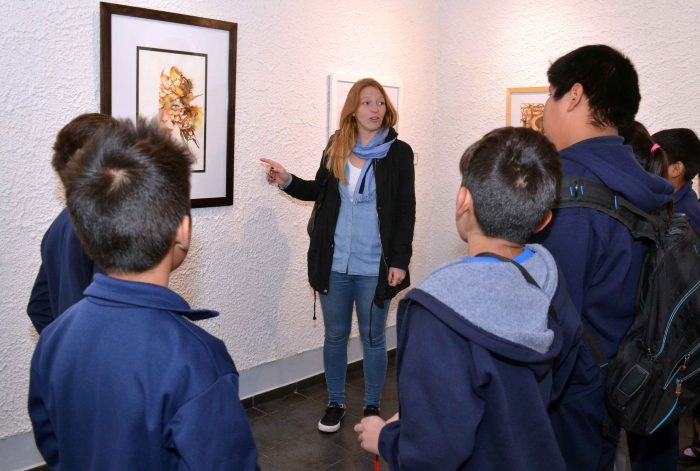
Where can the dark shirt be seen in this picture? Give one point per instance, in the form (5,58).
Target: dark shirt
(685,201)
(123,381)
(600,259)
(65,272)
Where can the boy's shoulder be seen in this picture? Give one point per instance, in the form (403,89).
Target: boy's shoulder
(61,225)
(142,309)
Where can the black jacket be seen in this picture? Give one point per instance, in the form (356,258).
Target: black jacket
(396,208)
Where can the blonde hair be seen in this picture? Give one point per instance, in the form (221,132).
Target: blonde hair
(346,135)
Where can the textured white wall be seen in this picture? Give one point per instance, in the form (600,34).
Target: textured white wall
(249,260)
(485,47)
(454,60)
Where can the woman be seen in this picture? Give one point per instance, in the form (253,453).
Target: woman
(361,232)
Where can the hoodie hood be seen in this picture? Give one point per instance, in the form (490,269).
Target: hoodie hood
(614,164)
(503,312)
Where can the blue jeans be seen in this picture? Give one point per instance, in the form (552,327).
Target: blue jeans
(343,291)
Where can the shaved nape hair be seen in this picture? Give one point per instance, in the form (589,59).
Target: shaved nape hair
(513,175)
(127,191)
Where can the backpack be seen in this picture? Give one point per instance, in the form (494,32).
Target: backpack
(655,376)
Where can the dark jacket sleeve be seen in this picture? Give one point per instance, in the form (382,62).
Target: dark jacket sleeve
(308,190)
(211,431)
(405,212)
(435,374)
(44,434)
(39,307)
(570,329)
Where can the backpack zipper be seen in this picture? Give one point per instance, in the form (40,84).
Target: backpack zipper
(678,306)
(679,367)
(679,390)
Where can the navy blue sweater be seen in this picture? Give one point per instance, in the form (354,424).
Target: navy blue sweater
(685,201)
(600,259)
(65,272)
(475,363)
(123,381)
(601,263)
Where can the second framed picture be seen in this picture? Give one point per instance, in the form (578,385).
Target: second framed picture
(525,107)
(182,70)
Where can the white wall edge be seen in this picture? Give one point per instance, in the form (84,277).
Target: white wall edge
(19,453)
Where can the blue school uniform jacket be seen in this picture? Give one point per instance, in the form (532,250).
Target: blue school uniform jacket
(601,263)
(476,362)
(685,201)
(122,380)
(600,259)
(65,272)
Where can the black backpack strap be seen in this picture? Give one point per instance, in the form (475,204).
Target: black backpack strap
(592,344)
(552,312)
(580,192)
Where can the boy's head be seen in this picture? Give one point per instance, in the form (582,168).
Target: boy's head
(595,84)
(511,176)
(74,135)
(128,193)
(681,145)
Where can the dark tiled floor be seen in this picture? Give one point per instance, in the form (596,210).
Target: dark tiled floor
(285,429)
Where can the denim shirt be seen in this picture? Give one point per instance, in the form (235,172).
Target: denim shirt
(358,249)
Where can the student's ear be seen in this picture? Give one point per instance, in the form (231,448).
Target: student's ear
(464,201)
(676,169)
(575,96)
(181,243)
(547,219)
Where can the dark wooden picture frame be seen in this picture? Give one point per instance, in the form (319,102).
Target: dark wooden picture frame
(144,28)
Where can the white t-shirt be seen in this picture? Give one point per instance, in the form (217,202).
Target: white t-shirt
(353,176)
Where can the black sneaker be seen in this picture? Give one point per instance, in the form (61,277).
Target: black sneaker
(331,419)
(370,410)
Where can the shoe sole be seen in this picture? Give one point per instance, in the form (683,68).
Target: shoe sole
(329,428)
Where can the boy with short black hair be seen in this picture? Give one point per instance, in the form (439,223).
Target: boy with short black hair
(682,147)
(122,380)
(65,269)
(481,353)
(594,92)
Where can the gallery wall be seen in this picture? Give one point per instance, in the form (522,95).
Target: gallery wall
(453,61)
(485,47)
(248,261)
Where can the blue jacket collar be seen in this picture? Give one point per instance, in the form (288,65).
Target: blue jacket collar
(112,290)
(682,191)
(614,164)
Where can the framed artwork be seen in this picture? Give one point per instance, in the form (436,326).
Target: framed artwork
(525,106)
(181,70)
(338,88)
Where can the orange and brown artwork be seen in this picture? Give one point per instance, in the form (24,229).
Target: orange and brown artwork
(532,115)
(175,104)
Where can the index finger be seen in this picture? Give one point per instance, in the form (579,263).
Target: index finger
(268,161)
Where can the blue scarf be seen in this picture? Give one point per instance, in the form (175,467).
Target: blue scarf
(376,149)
